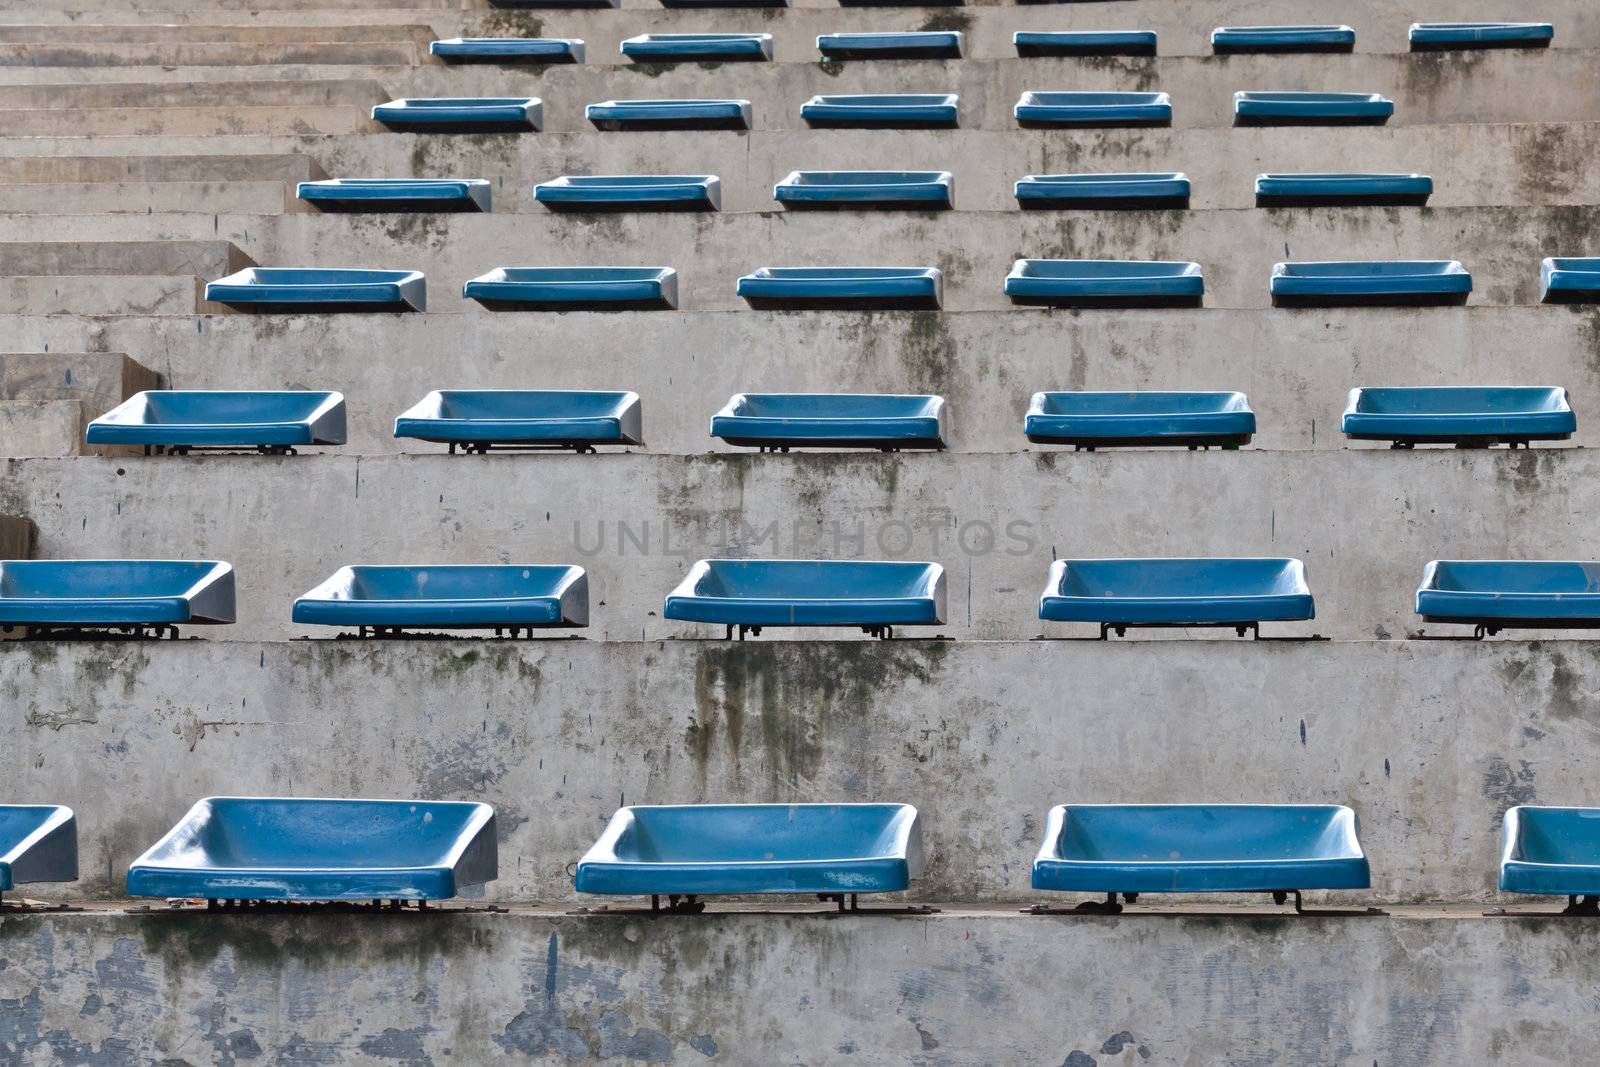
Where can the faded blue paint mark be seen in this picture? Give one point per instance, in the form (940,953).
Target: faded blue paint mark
(929,1042)
(1302,733)
(1117,1042)
(617,1042)
(1079,1058)
(550,956)
(703,1044)
(402,1046)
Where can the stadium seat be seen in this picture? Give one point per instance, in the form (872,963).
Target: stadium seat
(1495,595)
(670,114)
(1105,283)
(1084,110)
(926,44)
(138,596)
(477,114)
(396,194)
(592,193)
(698,47)
(38,843)
(1568,280)
(1343,190)
(843,288)
(181,421)
(1551,851)
(1038,43)
(285,290)
(388,600)
(1371,283)
(290,849)
(575,289)
(922,190)
(1463,416)
(1104,192)
(1232,592)
(1132,849)
(882,111)
(1311,109)
(478,420)
(873,595)
(1091,420)
(1238,40)
(1470,36)
(777,422)
(687,851)
(509,50)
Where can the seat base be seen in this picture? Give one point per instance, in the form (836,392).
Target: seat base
(1100,203)
(1572,296)
(624,125)
(1487,626)
(381,207)
(773,444)
(1109,303)
(224,450)
(879,124)
(846,55)
(1109,124)
(1298,120)
(1042,51)
(512,60)
(1335,300)
(628,207)
(1189,441)
(889,303)
(1412,440)
(497,126)
(1473,46)
(1378,200)
(95,632)
(480,448)
(1282,49)
(407,633)
(315,307)
(646,304)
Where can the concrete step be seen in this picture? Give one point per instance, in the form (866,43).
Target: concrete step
(1512,165)
(297,120)
(216,54)
(40,198)
(206,259)
(78,170)
(1502,247)
(1429,742)
(1365,520)
(91,34)
(150,94)
(47,399)
(108,294)
(974,986)
(1183,29)
(1296,367)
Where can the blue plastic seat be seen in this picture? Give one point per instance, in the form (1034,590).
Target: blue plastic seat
(698,47)
(181,420)
(476,420)
(1343,190)
(1079,110)
(1131,849)
(575,289)
(38,843)
(670,114)
(152,595)
(508,50)
(1552,852)
(776,422)
(458,114)
(1464,36)
(1217,591)
(1105,283)
(856,189)
(882,111)
(379,601)
(1031,43)
(694,850)
(1104,192)
(1569,280)
(285,290)
(555,5)
(282,848)
(751,593)
(396,194)
(843,288)
(1460,416)
(1495,595)
(1311,109)
(1140,419)
(922,44)
(1235,40)
(1372,283)
(631,192)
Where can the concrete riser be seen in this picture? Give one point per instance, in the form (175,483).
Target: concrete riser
(1365,522)
(958,989)
(1296,366)
(1501,247)
(1429,742)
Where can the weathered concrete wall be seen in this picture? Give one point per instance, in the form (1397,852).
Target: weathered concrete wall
(1365,521)
(1502,247)
(1296,366)
(950,989)
(1429,741)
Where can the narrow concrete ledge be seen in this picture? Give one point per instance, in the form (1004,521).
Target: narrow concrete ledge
(47,399)
(1430,742)
(957,988)
(286,168)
